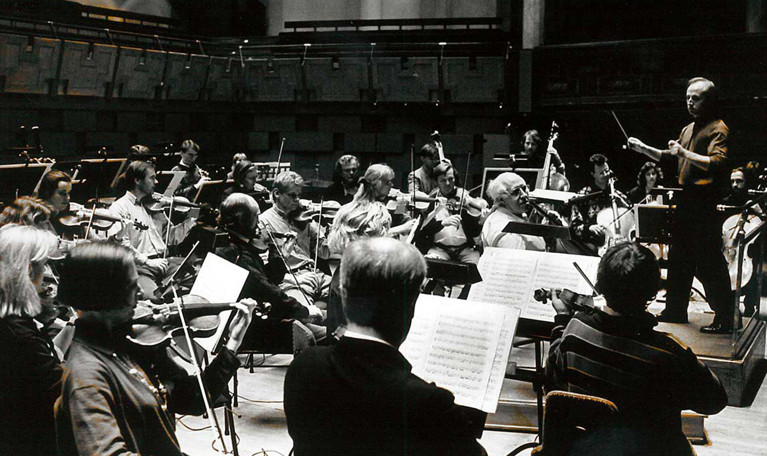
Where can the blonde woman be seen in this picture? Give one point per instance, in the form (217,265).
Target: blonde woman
(29,360)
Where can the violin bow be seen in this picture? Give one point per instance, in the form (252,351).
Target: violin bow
(412,173)
(268,228)
(90,221)
(279,158)
(319,227)
(212,418)
(466,179)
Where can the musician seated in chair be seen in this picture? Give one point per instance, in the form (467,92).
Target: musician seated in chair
(359,396)
(194,177)
(116,399)
(449,230)
(245,174)
(423,179)
(149,246)
(614,353)
(583,218)
(510,195)
(345,180)
(238,216)
(300,241)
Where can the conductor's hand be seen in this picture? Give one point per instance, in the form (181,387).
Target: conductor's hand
(675,149)
(636,145)
(453,220)
(157,266)
(239,325)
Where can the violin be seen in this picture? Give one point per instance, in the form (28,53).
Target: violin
(157,203)
(398,202)
(473,207)
(99,219)
(154,326)
(574,301)
(308,210)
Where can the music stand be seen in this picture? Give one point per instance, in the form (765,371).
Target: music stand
(95,177)
(532,176)
(535,229)
(210,191)
(170,181)
(452,271)
(654,223)
(19,179)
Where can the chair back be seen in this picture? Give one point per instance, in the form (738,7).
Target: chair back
(568,416)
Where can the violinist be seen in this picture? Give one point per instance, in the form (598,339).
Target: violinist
(702,162)
(29,359)
(148,245)
(449,231)
(54,190)
(298,241)
(583,217)
(345,180)
(245,181)
(28,210)
(117,399)
(510,195)
(615,353)
(238,216)
(423,178)
(376,187)
(650,174)
(194,177)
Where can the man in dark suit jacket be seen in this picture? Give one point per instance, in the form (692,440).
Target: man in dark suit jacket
(359,397)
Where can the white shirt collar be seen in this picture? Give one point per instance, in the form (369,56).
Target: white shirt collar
(356,335)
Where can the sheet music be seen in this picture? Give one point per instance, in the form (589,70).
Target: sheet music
(218,281)
(512,276)
(460,348)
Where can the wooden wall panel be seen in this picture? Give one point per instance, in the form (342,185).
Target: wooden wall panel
(28,70)
(479,85)
(274,123)
(135,79)
(308,141)
(186,75)
(342,84)
(410,82)
(224,79)
(355,143)
(280,84)
(86,70)
(119,140)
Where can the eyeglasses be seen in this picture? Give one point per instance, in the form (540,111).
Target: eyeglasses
(519,190)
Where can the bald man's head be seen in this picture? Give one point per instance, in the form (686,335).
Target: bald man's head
(380,282)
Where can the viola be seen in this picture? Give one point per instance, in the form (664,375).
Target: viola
(99,219)
(155,326)
(473,207)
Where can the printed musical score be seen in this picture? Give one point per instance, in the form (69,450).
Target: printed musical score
(512,276)
(462,348)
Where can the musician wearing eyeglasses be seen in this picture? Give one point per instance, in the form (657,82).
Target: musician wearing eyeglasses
(298,240)
(510,195)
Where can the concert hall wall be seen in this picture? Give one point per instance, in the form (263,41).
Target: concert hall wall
(86,95)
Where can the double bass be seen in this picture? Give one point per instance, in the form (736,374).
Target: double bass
(553,180)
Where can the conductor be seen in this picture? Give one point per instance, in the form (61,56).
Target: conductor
(696,241)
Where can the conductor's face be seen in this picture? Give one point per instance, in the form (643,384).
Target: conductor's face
(696,99)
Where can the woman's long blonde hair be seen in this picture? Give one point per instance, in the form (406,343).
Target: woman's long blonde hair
(21,248)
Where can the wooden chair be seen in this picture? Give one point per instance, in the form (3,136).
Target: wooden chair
(568,416)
